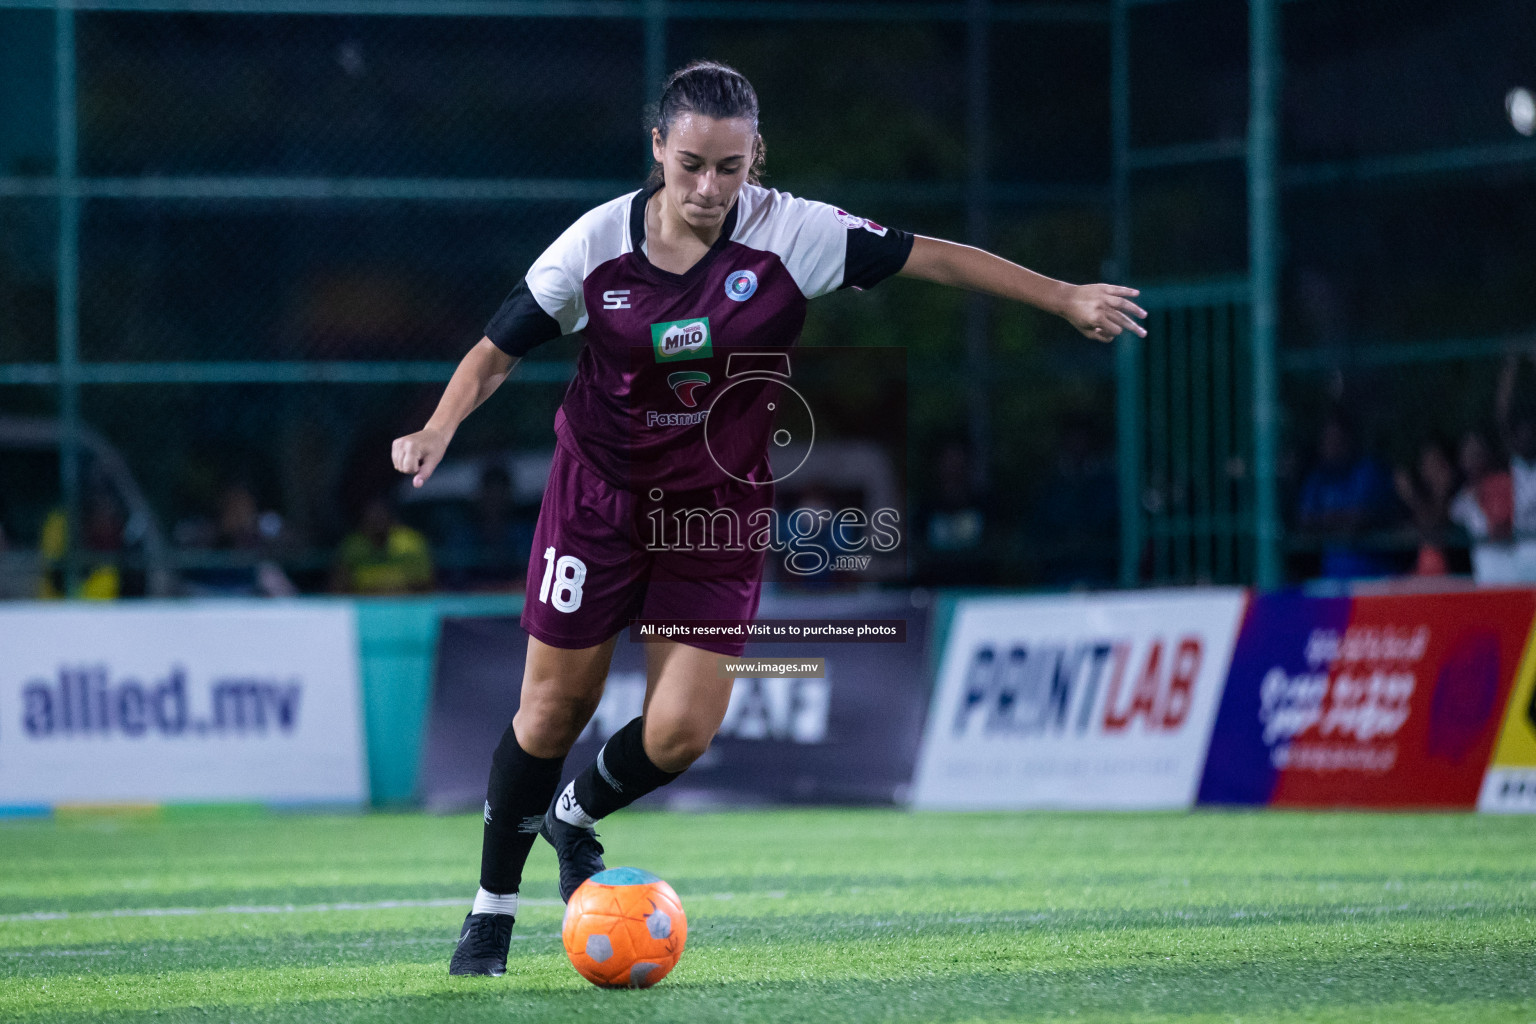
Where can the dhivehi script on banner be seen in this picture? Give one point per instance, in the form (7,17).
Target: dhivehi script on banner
(1077,701)
(1372,700)
(160,702)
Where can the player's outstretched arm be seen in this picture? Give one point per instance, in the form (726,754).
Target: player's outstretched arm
(478,375)
(1099,311)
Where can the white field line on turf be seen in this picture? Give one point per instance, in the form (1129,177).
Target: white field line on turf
(444,941)
(288,908)
(1036,918)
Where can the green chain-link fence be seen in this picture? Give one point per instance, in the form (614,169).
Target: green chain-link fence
(246,242)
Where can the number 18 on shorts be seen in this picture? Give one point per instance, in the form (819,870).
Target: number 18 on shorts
(563,577)
(591,572)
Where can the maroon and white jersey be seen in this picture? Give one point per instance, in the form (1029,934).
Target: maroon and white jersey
(658,344)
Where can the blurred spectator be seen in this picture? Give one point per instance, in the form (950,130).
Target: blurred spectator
(383,556)
(1485,506)
(239,529)
(1428,491)
(16,582)
(488,549)
(103,525)
(1345,497)
(954,527)
(17,575)
(1517,422)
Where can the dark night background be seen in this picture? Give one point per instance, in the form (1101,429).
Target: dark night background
(867,114)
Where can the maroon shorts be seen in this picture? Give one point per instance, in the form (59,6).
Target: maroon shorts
(603,556)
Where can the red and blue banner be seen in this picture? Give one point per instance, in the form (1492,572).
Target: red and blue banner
(1370,701)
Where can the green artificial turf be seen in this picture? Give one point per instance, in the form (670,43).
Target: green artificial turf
(816,915)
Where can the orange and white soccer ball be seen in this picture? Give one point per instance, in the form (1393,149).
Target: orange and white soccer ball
(624,928)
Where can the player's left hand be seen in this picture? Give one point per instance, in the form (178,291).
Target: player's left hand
(1102,311)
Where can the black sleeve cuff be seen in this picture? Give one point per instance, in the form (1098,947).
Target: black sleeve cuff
(872,258)
(521,324)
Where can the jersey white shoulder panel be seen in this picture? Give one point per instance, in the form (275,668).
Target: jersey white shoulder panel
(808,236)
(555,279)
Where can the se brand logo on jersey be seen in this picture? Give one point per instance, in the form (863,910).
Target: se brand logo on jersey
(676,340)
(685,384)
(618,299)
(740,285)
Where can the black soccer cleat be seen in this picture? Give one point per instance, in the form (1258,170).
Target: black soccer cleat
(581,855)
(482,947)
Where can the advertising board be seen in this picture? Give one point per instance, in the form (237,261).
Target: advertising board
(848,737)
(160,702)
(1099,701)
(1510,782)
(1371,701)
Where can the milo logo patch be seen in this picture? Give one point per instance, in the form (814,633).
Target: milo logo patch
(676,340)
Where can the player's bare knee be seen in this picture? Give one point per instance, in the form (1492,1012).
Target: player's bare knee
(548,726)
(537,736)
(673,746)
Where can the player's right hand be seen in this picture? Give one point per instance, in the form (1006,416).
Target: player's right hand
(1103,311)
(419,453)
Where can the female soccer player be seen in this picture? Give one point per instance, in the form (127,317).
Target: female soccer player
(700,263)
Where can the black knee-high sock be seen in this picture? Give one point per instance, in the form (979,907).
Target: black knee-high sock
(619,775)
(519,793)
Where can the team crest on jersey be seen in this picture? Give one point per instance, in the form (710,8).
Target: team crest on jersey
(685,385)
(740,285)
(677,340)
(851,222)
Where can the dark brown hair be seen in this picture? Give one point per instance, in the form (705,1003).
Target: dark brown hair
(713,90)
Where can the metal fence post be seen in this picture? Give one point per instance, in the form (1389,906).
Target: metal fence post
(655,58)
(1127,362)
(1263,260)
(68,285)
(977,356)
